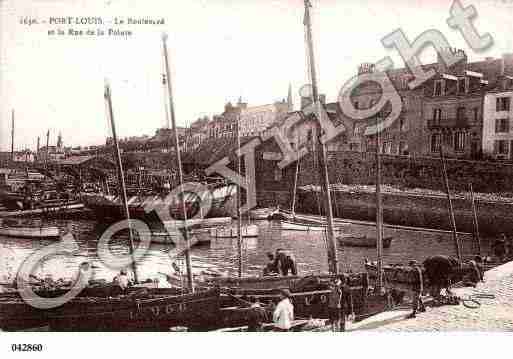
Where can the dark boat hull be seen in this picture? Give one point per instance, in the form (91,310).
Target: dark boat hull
(110,208)
(145,312)
(309,296)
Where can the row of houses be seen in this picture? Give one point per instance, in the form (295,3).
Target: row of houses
(465,107)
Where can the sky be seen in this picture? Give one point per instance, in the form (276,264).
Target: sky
(220,50)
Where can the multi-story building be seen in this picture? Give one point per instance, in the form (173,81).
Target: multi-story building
(445,110)
(225,125)
(256,119)
(497,123)
(197,133)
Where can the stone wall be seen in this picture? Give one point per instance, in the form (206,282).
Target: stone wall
(416,211)
(410,172)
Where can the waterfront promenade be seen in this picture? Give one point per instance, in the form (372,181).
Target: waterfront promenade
(494,314)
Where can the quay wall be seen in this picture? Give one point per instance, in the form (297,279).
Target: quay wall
(414,210)
(411,172)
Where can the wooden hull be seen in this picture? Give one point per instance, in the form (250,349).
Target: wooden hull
(250,230)
(304,227)
(309,296)
(261,213)
(27,232)
(110,207)
(122,313)
(363,241)
(405,277)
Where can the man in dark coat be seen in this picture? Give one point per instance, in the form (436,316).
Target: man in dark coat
(439,272)
(285,262)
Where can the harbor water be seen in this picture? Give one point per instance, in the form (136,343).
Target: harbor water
(221,254)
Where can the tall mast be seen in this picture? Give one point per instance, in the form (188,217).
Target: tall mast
(12,135)
(323,168)
(121,177)
(239,214)
(179,165)
(379,214)
(166,107)
(47,149)
(476,223)
(451,210)
(295,180)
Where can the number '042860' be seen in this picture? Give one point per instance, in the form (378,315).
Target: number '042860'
(26,347)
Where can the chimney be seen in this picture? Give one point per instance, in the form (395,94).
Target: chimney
(459,67)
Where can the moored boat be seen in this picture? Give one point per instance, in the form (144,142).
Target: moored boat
(309,295)
(304,227)
(26,231)
(249,230)
(406,277)
(144,207)
(136,311)
(362,241)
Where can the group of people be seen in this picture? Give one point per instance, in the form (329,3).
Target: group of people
(439,272)
(280,263)
(283,312)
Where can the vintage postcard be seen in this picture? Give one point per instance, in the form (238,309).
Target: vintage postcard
(255,166)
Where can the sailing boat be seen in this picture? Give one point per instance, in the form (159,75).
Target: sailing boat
(379,241)
(246,230)
(309,293)
(405,277)
(110,308)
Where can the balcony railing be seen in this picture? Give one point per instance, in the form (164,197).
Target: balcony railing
(449,123)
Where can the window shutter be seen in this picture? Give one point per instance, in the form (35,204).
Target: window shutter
(495,147)
(506,125)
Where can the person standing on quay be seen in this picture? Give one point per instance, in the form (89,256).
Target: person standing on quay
(336,307)
(283,315)
(418,289)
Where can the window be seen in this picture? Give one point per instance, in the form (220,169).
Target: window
(476,114)
(356,105)
(439,88)
(503,103)
(277,174)
(402,124)
(309,135)
(435,142)
(460,114)
(500,147)
(437,116)
(402,147)
(354,147)
(501,125)
(459,141)
(462,85)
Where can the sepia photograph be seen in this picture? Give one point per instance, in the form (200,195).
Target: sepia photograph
(255,166)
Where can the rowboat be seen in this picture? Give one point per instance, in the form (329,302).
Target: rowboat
(304,227)
(249,230)
(46,232)
(261,213)
(362,241)
(196,237)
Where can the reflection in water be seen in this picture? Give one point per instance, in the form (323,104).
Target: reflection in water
(221,254)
